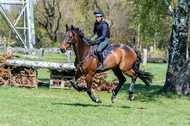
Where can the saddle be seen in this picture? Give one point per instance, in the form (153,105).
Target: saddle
(105,53)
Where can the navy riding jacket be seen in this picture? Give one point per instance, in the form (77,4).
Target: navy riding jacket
(101,29)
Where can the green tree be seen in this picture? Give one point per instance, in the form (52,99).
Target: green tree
(149,22)
(149,15)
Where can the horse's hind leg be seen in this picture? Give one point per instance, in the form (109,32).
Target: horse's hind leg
(89,78)
(122,80)
(133,77)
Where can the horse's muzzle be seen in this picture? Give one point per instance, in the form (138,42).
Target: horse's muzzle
(62,50)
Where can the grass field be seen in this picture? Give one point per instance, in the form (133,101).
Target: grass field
(52,107)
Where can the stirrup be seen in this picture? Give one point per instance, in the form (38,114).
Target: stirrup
(100,67)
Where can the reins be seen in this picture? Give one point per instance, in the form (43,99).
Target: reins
(79,46)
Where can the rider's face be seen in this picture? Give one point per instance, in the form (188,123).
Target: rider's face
(98,19)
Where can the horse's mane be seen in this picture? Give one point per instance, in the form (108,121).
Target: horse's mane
(81,35)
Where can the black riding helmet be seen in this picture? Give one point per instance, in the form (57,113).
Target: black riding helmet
(99,13)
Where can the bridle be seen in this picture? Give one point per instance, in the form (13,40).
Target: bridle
(73,38)
(78,46)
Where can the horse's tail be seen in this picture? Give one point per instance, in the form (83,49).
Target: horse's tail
(146,77)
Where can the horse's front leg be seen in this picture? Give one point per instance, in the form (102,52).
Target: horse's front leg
(73,82)
(89,79)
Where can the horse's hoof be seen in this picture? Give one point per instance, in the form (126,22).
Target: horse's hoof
(83,89)
(131,97)
(113,99)
(98,100)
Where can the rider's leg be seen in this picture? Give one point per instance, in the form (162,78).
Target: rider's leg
(101,66)
(100,49)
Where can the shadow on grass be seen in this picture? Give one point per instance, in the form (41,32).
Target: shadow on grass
(93,105)
(89,105)
(151,94)
(143,93)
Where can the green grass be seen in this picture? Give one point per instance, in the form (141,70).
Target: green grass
(52,107)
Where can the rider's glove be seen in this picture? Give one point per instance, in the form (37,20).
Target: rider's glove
(89,40)
(92,42)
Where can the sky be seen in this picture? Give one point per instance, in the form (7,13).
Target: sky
(14,1)
(7,7)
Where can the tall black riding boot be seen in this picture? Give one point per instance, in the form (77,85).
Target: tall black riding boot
(101,66)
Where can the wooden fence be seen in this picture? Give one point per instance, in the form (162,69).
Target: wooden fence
(41,51)
(151,59)
(68,65)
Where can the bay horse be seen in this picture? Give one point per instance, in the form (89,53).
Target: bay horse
(121,60)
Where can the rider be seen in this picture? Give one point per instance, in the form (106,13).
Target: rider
(101,28)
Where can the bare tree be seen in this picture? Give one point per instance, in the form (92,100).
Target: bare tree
(109,5)
(49,17)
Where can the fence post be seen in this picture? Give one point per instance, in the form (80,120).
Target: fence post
(69,57)
(144,57)
(41,54)
(9,50)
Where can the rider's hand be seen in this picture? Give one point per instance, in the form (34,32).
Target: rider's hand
(92,42)
(89,40)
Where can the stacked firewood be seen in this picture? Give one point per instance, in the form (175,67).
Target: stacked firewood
(107,86)
(61,78)
(57,82)
(5,70)
(60,82)
(5,74)
(99,83)
(25,77)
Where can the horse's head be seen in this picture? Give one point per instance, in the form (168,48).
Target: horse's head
(69,38)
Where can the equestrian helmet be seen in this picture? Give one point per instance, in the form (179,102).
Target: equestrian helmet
(99,13)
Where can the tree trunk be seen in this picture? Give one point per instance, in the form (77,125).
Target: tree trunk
(175,78)
(180,83)
(155,40)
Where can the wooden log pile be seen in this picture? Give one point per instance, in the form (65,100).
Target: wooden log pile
(5,74)
(25,77)
(61,78)
(107,86)
(5,70)
(99,83)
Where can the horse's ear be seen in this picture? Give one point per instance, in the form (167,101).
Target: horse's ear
(66,27)
(72,28)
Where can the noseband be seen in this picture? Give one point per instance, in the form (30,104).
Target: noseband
(73,38)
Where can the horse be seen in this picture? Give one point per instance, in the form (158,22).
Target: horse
(121,60)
